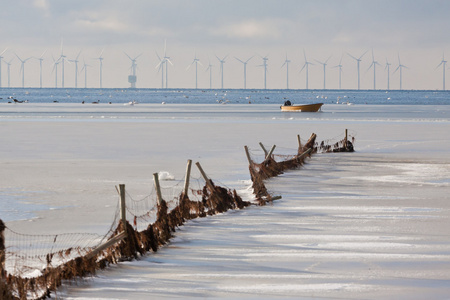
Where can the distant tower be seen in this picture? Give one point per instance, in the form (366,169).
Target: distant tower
(132,78)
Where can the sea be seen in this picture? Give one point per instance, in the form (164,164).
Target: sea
(223,96)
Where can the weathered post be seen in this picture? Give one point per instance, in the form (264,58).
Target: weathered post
(299,143)
(264,148)
(208,181)
(2,250)
(269,154)
(188,175)
(248,155)
(123,208)
(346,138)
(158,188)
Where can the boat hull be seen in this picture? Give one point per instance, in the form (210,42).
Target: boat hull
(303,108)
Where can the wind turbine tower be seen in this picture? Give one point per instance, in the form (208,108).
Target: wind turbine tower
(41,58)
(22,69)
(62,58)
(222,61)
(340,71)
(55,69)
(286,63)
(85,66)
(210,74)
(305,66)
(1,57)
(443,63)
(358,60)
(388,73)
(245,70)
(374,64)
(132,78)
(196,61)
(76,68)
(163,64)
(324,70)
(400,67)
(8,63)
(100,59)
(264,64)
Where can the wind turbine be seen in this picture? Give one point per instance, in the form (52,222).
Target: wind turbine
(324,70)
(388,72)
(264,64)
(443,63)
(222,61)
(358,60)
(245,69)
(41,58)
(373,64)
(286,63)
(8,63)
(132,77)
(196,61)
(100,59)
(1,57)
(163,63)
(62,58)
(22,69)
(305,66)
(210,74)
(85,66)
(76,68)
(55,69)
(400,67)
(340,70)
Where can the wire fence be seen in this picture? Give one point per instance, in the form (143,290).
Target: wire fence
(32,266)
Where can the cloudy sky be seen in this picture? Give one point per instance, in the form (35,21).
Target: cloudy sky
(416,30)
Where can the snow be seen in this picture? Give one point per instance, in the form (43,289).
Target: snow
(366,225)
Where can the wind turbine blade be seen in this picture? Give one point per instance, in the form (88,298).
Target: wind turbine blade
(138,56)
(3,51)
(319,62)
(78,56)
(239,60)
(249,59)
(363,54)
(127,55)
(328,59)
(167,59)
(352,56)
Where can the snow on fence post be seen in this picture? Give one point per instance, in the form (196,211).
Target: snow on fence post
(158,188)
(188,175)
(2,249)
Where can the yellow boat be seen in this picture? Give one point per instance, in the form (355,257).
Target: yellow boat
(302,107)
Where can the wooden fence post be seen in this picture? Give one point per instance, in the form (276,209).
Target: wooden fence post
(299,143)
(269,154)
(346,138)
(123,208)
(2,250)
(264,148)
(208,182)
(248,155)
(158,188)
(188,175)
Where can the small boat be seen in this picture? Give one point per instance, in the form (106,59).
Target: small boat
(302,107)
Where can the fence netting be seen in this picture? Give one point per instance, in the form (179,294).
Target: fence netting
(35,265)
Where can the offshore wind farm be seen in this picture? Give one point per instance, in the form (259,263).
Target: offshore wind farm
(306,74)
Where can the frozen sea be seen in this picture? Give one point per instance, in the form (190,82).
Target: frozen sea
(366,225)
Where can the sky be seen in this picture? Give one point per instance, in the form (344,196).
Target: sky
(416,31)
